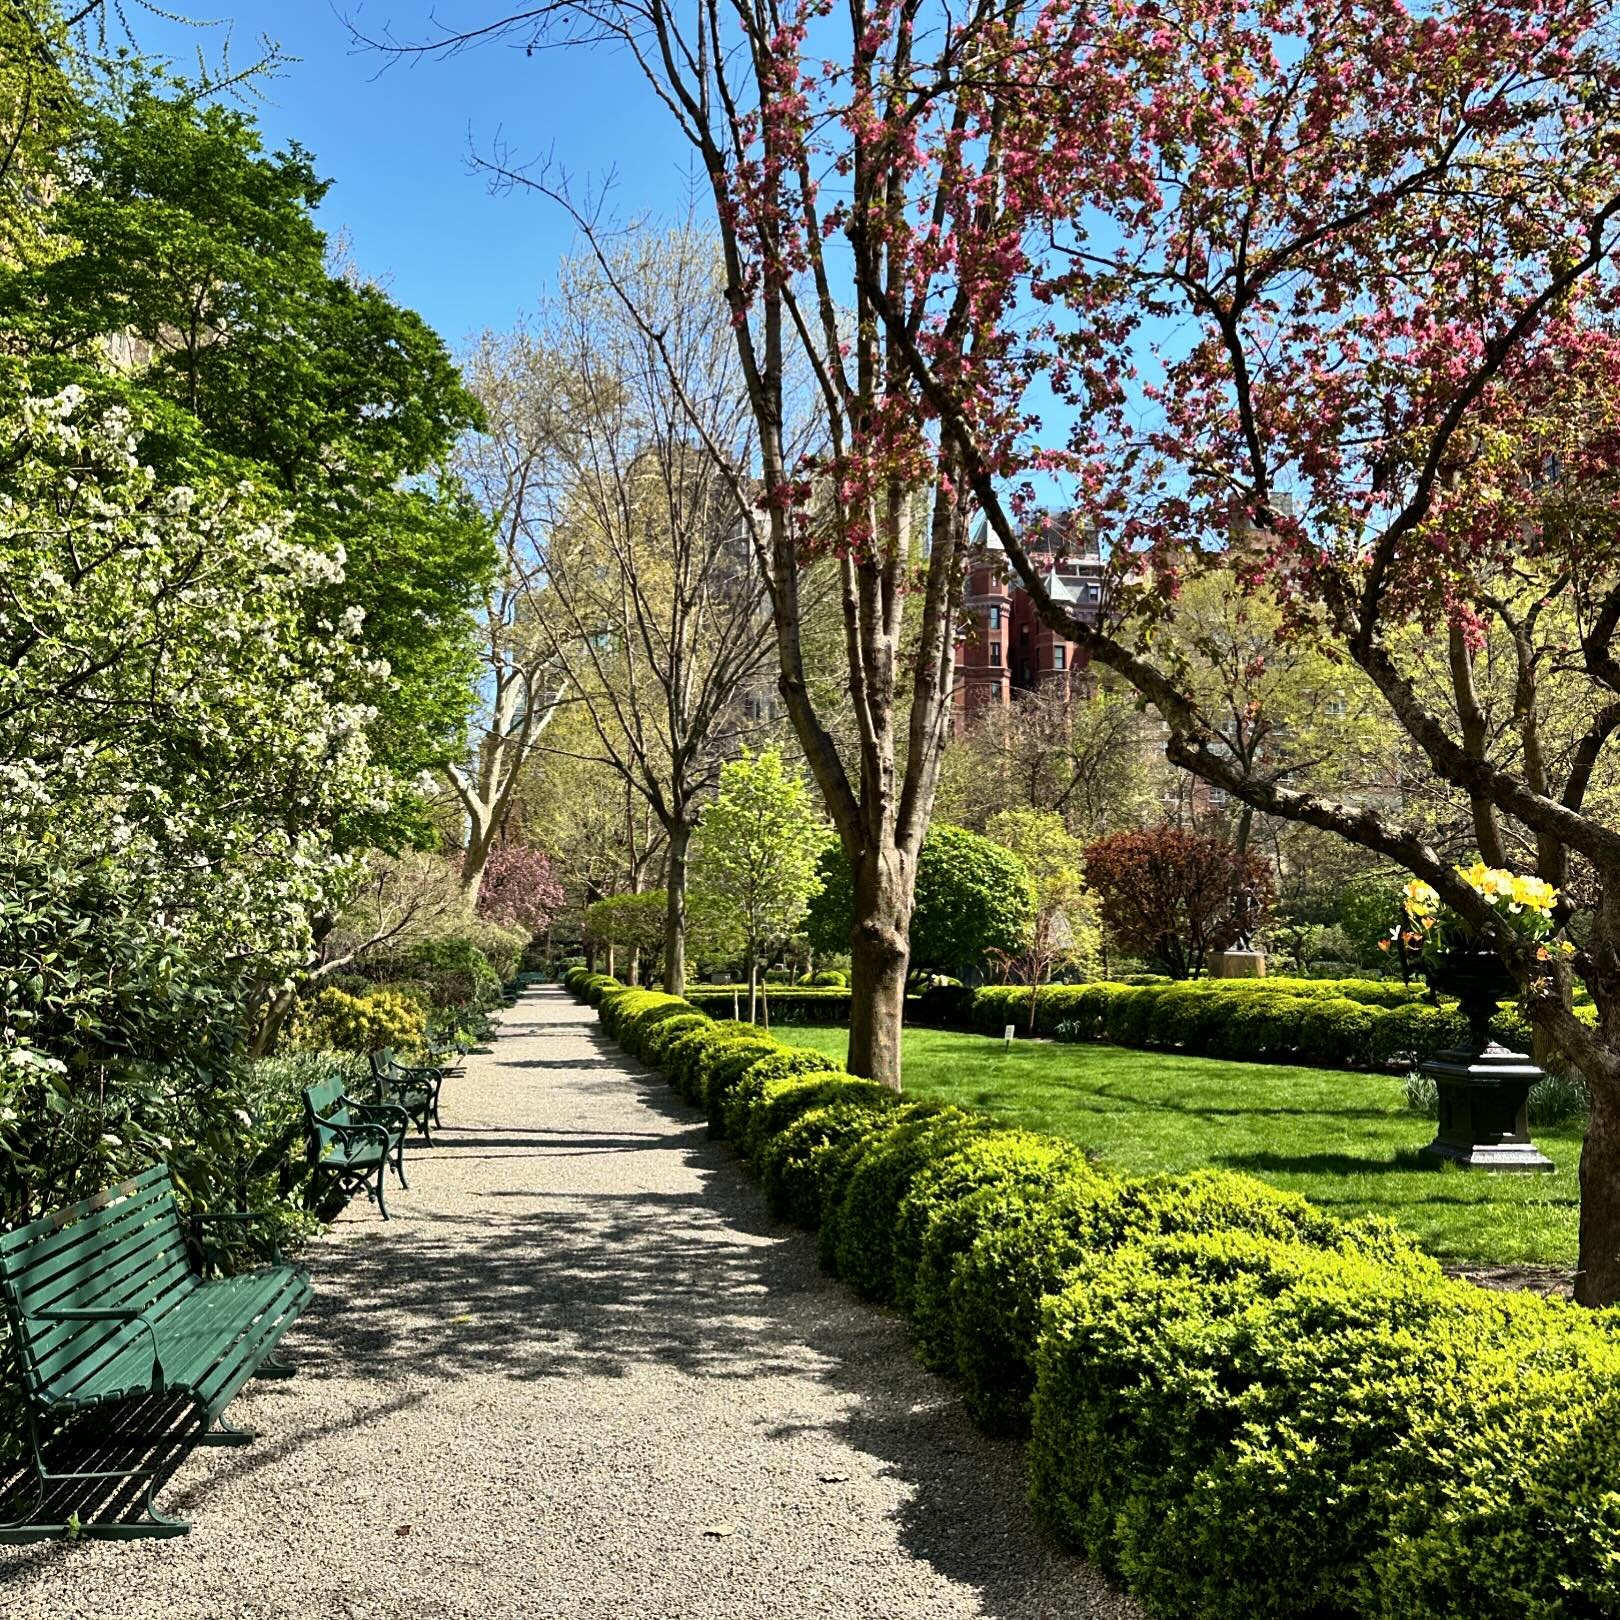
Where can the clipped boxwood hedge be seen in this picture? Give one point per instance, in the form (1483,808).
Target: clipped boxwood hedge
(787,1004)
(1325,1023)
(1237,1403)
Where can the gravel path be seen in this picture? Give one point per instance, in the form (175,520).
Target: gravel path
(582,1374)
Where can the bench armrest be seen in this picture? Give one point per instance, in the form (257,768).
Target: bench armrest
(407,1070)
(104,1313)
(364,1129)
(392,1113)
(241,1217)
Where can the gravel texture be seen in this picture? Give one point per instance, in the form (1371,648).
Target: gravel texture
(582,1374)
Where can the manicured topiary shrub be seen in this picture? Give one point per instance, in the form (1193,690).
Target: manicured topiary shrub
(746,1092)
(1242,1406)
(858,1232)
(685,1054)
(1345,1023)
(1029,1248)
(942,1215)
(722,1066)
(781,1102)
(1215,1414)
(793,1163)
(662,1034)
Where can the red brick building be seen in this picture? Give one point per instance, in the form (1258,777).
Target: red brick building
(1004,648)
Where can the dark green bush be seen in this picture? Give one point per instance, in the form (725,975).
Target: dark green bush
(789,1004)
(658,1040)
(684,1056)
(783,1101)
(943,1213)
(721,1066)
(1244,1407)
(1242,1426)
(793,1163)
(1215,1413)
(1029,1247)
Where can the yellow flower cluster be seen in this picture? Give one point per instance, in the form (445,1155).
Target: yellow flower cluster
(1421,901)
(1496,883)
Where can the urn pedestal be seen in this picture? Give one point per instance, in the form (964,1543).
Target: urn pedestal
(1238,965)
(1483,1087)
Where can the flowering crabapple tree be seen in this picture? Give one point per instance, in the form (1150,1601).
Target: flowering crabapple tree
(520,890)
(1327,295)
(1318,297)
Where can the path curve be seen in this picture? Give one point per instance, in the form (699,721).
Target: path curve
(582,1374)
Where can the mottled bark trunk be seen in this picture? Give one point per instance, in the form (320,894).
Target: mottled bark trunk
(1597,1279)
(680,839)
(880,953)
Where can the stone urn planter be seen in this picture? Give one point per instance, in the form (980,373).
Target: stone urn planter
(1482,1086)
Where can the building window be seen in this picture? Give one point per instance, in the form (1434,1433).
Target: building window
(995,655)
(995,618)
(1093,592)
(1058,654)
(1023,632)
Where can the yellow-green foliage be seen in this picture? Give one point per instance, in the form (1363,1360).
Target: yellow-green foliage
(1242,1405)
(339,1022)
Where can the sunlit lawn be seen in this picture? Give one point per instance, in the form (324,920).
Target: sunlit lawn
(1346,1141)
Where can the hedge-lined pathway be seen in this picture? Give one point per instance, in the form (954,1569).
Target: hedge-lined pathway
(582,1374)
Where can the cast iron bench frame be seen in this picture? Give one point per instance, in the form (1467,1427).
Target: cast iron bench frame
(105,1308)
(351,1142)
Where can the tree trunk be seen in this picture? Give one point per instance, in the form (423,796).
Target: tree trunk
(753,981)
(480,841)
(880,954)
(680,838)
(1597,1279)
(274,1016)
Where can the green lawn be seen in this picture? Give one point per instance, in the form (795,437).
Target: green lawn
(1345,1140)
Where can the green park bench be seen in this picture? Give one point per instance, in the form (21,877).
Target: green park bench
(105,1307)
(416,1090)
(351,1143)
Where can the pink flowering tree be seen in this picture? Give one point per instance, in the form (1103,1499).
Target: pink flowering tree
(851,469)
(1326,297)
(520,890)
(1317,296)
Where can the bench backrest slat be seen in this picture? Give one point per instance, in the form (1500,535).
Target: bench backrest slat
(324,1107)
(122,1249)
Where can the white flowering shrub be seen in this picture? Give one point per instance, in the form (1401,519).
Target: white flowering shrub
(177,752)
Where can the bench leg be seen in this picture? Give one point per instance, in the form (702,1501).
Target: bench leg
(225,1433)
(275,1367)
(399,1161)
(378,1176)
(152,1524)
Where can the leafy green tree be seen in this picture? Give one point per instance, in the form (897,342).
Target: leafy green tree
(759,846)
(1063,934)
(191,259)
(973,897)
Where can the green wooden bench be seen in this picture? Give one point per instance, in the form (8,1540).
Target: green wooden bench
(416,1090)
(351,1143)
(105,1307)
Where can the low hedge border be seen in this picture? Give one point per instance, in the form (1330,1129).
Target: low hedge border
(785,1004)
(1346,1023)
(1236,1403)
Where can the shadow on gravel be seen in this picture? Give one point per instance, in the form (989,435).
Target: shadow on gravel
(605,1278)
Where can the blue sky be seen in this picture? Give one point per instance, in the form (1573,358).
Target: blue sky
(395,141)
